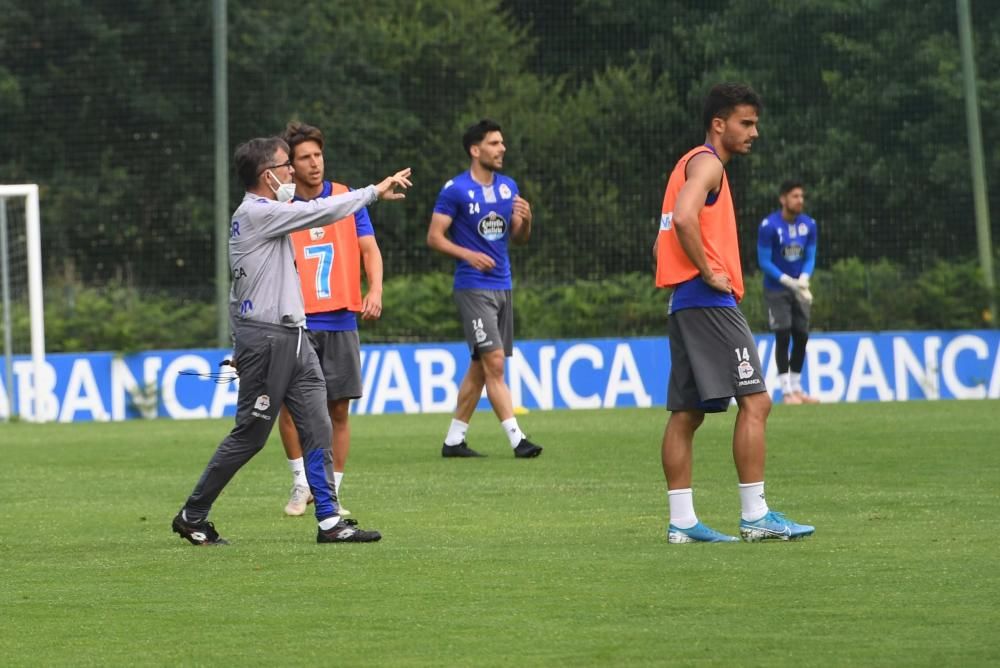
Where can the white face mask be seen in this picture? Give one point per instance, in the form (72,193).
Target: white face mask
(285,191)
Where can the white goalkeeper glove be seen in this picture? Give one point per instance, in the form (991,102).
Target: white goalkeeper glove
(799,288)
(804,280)
(789,282)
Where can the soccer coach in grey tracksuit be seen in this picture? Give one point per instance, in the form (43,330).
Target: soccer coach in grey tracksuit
(274,359)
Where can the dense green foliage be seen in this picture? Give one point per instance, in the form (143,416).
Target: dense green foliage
(557,561)
(108,105)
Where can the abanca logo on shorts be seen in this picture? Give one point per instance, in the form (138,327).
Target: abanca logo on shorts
(492,226)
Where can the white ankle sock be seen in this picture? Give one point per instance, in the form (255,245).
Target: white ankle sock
(298,468)
(796,381)
(682,508)
(513,432)
(456,432)
(329,522)
(337,477)
(752,501)
(786,383)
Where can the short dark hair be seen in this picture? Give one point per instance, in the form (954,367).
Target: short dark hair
(297,133)
(788,186)
(724,97)
(477,132)
(252,158)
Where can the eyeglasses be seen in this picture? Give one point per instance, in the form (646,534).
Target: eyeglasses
(267,167)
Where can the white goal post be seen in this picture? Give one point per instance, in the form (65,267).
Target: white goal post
(35,304)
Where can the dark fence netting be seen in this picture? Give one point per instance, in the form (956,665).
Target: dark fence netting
(108,106)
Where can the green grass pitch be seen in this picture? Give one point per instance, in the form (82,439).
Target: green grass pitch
(558,561)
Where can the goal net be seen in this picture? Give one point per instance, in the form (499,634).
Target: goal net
(22,323)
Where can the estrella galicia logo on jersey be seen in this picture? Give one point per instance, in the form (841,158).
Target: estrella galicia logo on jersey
(666,220)
(504,191)
(492,226)
(316,233)
(792,252)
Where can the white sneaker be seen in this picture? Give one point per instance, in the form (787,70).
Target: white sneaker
(298,500)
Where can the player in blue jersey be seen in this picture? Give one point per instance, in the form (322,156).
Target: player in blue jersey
(481,210)
(786,253)
(329,259)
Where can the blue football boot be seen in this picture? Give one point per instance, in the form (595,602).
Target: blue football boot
(699,533)
(773,526)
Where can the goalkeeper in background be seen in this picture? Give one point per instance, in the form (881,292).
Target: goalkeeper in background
(786,253)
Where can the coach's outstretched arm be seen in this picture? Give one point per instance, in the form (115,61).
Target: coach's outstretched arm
(286,217)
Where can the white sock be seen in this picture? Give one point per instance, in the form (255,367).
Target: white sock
(298,468)
(456,432)
(796,379)
(514,432)
(752,501)
(682,508)
(329,522)
(337,477)
(786,383)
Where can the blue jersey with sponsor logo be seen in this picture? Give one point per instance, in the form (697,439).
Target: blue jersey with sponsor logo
(786,247)
(343,320)
(480,221)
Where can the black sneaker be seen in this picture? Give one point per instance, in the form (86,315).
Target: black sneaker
(197,533)
(460,450)
(526,449)
(347,531)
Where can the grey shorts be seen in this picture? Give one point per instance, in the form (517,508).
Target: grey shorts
(340,358)
(786,311)
(713,358)
(487,320)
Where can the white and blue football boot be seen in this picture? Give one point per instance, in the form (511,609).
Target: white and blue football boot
(773,526)
(699,533)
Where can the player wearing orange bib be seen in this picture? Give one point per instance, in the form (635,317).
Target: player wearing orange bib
(713,357)
(329,261)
